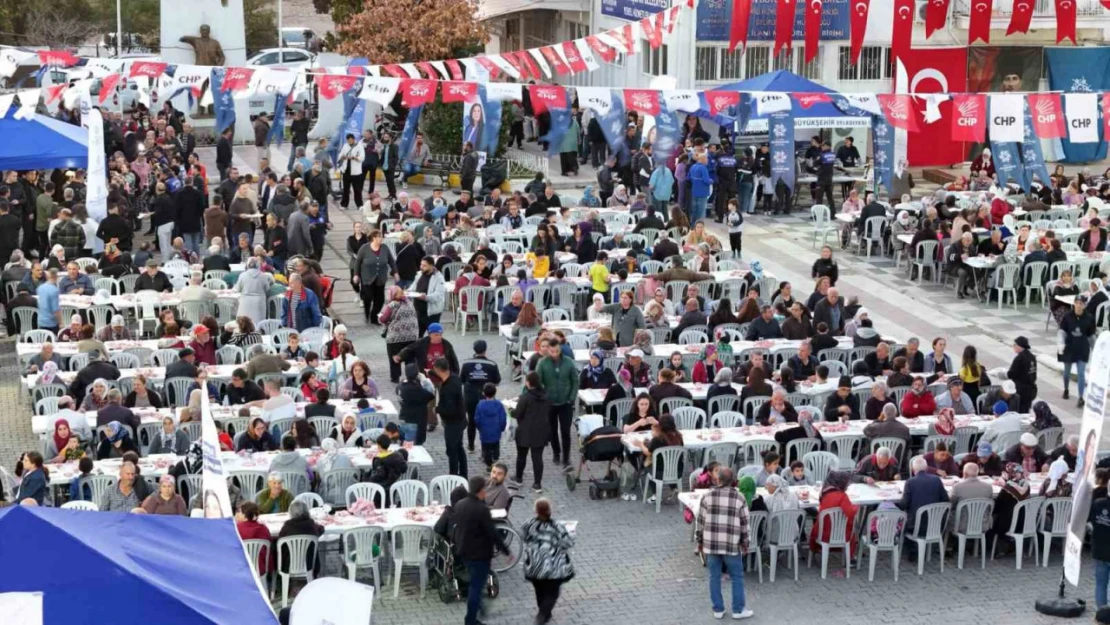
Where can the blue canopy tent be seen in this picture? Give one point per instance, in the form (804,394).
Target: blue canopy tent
(41,143)
(818,115)
(105,567)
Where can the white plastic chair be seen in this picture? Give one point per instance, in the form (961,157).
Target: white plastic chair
(408,493)
(250,483)
(1029,511)
(801,447)
(255,548)
(358,553)
(98,485)
(296,482)
(441,486)
(409,545)
(689,417)
(818,464)
(298,564)
(925,257)
(784,528)
(369,491)
(933,518)
(888,539)
(312,500)
(822,226)
(838,523)
(1059,508)
(473,301)
(726,418)
(81,505)
(1006,281)
(671,459)
(978,512)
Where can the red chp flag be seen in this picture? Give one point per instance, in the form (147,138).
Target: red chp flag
(901,39)
(1021,17)
(936,15)
(980,26)
(653,29)
(721,100)
(150,69)
(807,100)
(489,66)
(969,117)
(527,60)
(1048,115)
(547,97)
(236,79)
(395,70)
(860,9)
(1105,107)
(456,69)
(898,110)
(456,91)
(813,28)
(574,59)
(57,58)
(332,85)
(556,61)
(784,25)
(428,70)
(738,27)
(418,92)
(53,93)
(645,101)
(1065,19)
(606,52)
(625,37)
(108,85)
(521,69)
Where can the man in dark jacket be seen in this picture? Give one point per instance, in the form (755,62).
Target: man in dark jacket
(475,374)
(390,163)
(871,208)
(9,231)
(153,279)
(726,180)
(433,343)
(116,227)
(764,327)
(451,409)
(1077,326)
(468,170)
(830,311)
(606,181)
(414,402)
(1023,373)
(664,247)
(642,166)
(224,154)
(98,367)
(475,542)
(69,234)
(921,490)
(842,404)
(190,214)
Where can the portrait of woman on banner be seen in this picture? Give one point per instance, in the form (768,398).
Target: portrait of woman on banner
(474,125)
(1084,483)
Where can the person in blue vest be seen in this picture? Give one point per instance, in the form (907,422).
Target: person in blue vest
(301,307)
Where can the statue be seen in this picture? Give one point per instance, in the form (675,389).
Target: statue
(206,49)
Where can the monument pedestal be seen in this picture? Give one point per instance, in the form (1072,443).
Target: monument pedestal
(227,27)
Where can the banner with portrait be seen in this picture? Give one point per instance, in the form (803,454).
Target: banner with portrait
(482,122)
(995,69)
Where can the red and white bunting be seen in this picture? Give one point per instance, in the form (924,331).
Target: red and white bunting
(427,69)
(150,69)
(107,86)
(555,59)
(505,66)
(332,86)
(685,100)
(57,58)
(808,100)
(1105,116)
(671,19)
(1081,110)
(458,91)
(237,79)
(394,70)
(28,102)
(490,67)
(546,97)
(410,70)
(969,117)
(441,68)
(587,54)
(541,62)
(719,101)
(644,101)
(607,52)
(418,92)
(456,69)
(898,110)
(380,90)
(1048,115)
(653,29)
(574,59)
(54,93)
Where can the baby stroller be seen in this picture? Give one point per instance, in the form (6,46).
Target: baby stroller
(450,577)
(600,443)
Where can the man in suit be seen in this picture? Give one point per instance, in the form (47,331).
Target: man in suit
(390,162)
(920,490)
(970,488)
(830,311)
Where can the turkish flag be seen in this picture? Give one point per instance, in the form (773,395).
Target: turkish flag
(936,15)
(1021,17)
(784,26)
(546,97)
(860,9)
(807,100)
(150,69)
(57,58)
(969,118)
(1048,115)
(813,28)
(418,92)
(645,101)
(901,39)
(332,85)
(395,70)
(980,26)
(607,53)
(574,59)
(942,70)
(489,66)
(1065,19)
(653,29)
(555,60)
(236,79)
(898,110)
(457,91)
(428,70)
(456,69)
(738,27)
(108,84)
(721,100)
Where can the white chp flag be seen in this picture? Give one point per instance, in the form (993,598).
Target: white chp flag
(80,89)
(276,82)
(410,69)
(96,198)
(504,65)
(28,102)
(1090,432)
(99,68)
(474,71)
(441,67)
(379,90)
(864,102)
(215,501)
(1081,112)
(1007,114)
(767,102)
(191,77)
(504,91)
(586,54)
(597,99)
(11,59)
(684,100)
(541,61)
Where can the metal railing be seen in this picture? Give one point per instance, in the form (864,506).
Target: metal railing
(521,164)
(1043,9)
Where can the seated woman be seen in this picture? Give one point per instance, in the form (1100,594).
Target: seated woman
(722,385)
(1057,484)
(170,440)
(654,315)
(747,487)
(97,396)
(1066,286)
(166,501)
(805,429)
(300,524)
(642,416)
(88,343)
(1015,489)
(64,445)
(141,396)
(310,384)
(274,499)
(681,371)
(246,523)
(620,389)
(347,434)
(304,434)
(834,494)
(115,441)
(256,438)
(706,369)
(241,333)
(756,385)
(596,375)
(723,314)
(331,460)
(664,433)
(388,466)
(34,480)
(595,309)
(359,384)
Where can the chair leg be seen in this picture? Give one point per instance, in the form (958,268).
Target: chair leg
(284,590)
(797,564)
(921,558)
(871,554)
(1047,549)
(960,552)
(1019,548)
(897,560)
(824,561)
(423,578)
(396,578)
(774,561)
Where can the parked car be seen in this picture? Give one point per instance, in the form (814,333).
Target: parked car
(288,58)
(296,36)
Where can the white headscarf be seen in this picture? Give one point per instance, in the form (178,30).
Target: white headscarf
(1056,472)
(783,498)
(904,218)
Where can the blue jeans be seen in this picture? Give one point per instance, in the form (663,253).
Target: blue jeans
(746,198)
(1102,578)
(479,571)
(735,565)
(697,213)
(1081,374)
(193,241)
(408,170)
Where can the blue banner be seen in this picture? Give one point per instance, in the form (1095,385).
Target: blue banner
(561,120)
(492,136)
(668,132)
(883,137)
(612,126)
(632,10)
(1080,70)
(1007,163)
(354,110)
(408,135)
(277,126)
(715,18)
(1032,158)
(221,100)
(781,131)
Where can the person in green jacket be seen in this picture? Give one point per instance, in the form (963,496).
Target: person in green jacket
(274,499)
(559,379)
(568,147)
(44,212)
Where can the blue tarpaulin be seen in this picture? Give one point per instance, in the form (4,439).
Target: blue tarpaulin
(789,82)
(41,143)
(129,569)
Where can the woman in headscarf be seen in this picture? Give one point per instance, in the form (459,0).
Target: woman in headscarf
(169,440)
(166,501)
(834,494)
(902,225)
(1015,489)
(856,322)
(347,434)
(642,340)
(654,315)
(589,198)
(1057,484)
(722,384)
(57,446)
(946,422)
(49,373)
(253,286)
(621,389)
(706,369)
(1043,417)
(595,375)
(1096,296)
(779,496)
(97,397)
(115,441)
(746,486)
(595,309)
(331,460)
(620,198)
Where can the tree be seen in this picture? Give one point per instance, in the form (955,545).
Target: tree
(56,23)
(404,31)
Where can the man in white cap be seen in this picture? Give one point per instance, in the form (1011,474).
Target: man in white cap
(115,331)
(1007,393)
(72,332)
(1028,454)
(641,372)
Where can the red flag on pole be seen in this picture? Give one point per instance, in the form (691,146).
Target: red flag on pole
(57,58)
(738,28)
(1065,19)
(150,69)
(721,100)
(1021,17)
(457,91)
(813,28)
(395,70)
(574,59)
(969,117)
(901,39)
(331,85)
(784,26)
(898,110)
(980,26)
(936,15)
(860,9)
(1048,115)
(645,101)
(456,69)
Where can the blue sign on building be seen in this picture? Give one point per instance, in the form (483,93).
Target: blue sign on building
(714,17)
(632,9)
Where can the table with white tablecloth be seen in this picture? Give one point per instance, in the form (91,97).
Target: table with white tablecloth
(384,518)
(158,374)
(130,301)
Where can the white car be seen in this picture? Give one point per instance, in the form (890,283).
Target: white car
(288,58)
(296,36)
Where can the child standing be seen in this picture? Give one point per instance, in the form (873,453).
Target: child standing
(491,420)
(735,220)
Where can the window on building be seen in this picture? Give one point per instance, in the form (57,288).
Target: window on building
(756,60)
(653,62)
(732,64)
(706,69)
(875,63)
(577,31)
(618,61)
(513,36)
(811,70)
(784,60)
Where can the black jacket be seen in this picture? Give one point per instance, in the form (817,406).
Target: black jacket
(9,234)
(159,282)
(451,407)
(414,402)
(1100,532)
(418,353)
(917,362)
(835,401)
(385,471)
(190,209)
(223,152)
(822,312)
(826,267)
(1085,240)
(116,227)
(1077,334)
(664,250)
(531,415)
(408,261)
(89,374)
(476,373)
(1023,369)
(475,534)
(217,262)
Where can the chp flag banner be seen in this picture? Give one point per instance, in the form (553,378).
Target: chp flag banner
(1081,111)
(1081,73)
(1090,434)
(1006,113)
(96,199)
(969,117)
(215,501)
